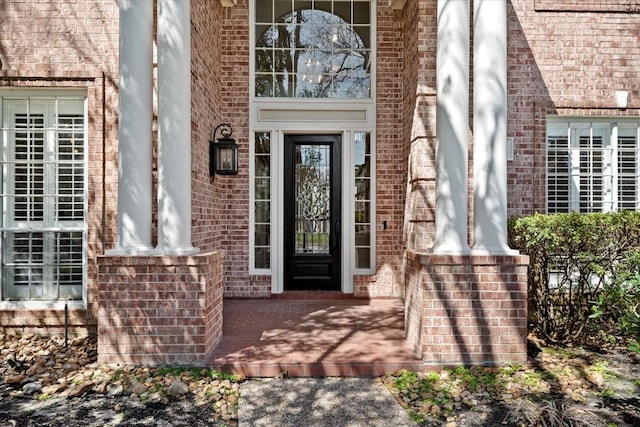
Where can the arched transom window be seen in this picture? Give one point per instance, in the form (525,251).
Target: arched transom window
(313,49)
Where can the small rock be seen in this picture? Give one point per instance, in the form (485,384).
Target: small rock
(51,389)
(138,388)
(115,389)
(32,370)
(155,397)
(31,388)
(14,379)
(70,367)
(177,388)
(101,388)
(78,389)
(436,411)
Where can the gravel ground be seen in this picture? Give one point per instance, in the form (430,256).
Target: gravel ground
(345,402)
(43,383)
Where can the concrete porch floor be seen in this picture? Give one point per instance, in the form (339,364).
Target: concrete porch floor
(313,334)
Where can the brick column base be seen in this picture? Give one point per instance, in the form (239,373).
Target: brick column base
(467,309)
(159,310)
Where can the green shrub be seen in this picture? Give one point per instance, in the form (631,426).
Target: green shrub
(583,273)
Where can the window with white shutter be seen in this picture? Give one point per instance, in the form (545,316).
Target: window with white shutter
(592,166)
(43,229)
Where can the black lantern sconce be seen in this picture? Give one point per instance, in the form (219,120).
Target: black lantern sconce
(223,153)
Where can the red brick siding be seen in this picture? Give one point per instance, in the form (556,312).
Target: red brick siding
(390,161)
(159,310)
(70,43)
(467,309)
(419,123)
(588,5)
(566,63)
(207,199)
(234,76)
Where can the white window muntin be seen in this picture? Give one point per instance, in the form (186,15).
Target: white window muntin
(627,160)
(261,253)
(59,191)
(592,165)
(312,48)
(372,53)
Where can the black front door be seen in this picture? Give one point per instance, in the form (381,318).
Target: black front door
(312,212)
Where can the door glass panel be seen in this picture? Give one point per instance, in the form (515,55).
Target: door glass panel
(312,199)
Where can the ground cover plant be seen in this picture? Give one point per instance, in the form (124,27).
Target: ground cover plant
(559,387)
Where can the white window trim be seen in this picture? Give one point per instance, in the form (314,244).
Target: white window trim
(252,59)
(52,94)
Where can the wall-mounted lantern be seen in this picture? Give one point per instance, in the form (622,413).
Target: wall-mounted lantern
(223,152)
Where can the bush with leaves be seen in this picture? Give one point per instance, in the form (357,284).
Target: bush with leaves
(616,311)
(583,272)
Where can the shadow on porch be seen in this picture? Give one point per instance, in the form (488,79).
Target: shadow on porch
(313,334)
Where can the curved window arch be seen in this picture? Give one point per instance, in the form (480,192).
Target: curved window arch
(313,49)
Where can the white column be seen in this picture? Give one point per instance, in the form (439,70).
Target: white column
(174,127)
(134,127)
(490,127)
(452,126)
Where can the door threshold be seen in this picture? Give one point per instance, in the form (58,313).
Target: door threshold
(314,295)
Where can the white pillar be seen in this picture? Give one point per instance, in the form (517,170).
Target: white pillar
(452,126)
(490,127)
(134,127)
(174,127)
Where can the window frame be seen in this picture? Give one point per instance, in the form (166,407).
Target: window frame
(52,224)
(371,25)
(575,131)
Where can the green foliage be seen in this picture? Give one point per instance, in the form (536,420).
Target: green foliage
(584,274)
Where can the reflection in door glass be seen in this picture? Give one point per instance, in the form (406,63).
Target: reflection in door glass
(312,199)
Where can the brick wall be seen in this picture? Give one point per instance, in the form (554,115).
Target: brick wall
(208,218)
(419,97)
(390,161)
(159,310)
(234,76)
(70,43)
(565,62)
(587,5)
(467,309)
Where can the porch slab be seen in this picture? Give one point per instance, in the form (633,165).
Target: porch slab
(313,335)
